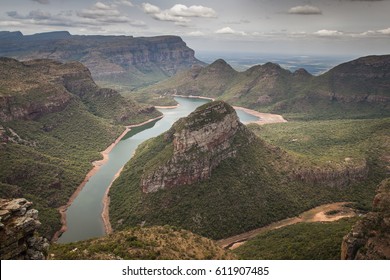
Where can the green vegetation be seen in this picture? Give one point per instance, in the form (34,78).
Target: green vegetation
(156,243)
(304,241)
(52,157)
(357,89)
(332,140)
(53,125)
(260,185)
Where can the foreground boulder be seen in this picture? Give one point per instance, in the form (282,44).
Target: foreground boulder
(370,237)
(18,237)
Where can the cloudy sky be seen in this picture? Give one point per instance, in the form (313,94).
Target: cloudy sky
(353,27)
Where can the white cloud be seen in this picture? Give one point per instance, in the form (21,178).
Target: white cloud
(228,30)
(43,2)
(101,6)
(196,33)
(384,31)
(99,11)
(178,13)
(192,11)
(150,9)
(97,15)
(305,10)
(124,3)
(10,23)
(328,33)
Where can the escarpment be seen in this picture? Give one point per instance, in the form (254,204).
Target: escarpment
(196,146)
(369,239)
(32,89)
(18,225)
(105,56)
(335,175)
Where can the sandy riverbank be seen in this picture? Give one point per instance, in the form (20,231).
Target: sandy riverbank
(194,96)
(106,205)
(167,107)
(96,166)
(264,117)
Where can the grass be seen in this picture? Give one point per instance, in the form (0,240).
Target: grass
(156,243)
(304,241)
(331,140)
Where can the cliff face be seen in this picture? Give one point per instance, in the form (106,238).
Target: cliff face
(370,237)
(32,89)
(352,171)
(197,144)
(18,225)
(104,55)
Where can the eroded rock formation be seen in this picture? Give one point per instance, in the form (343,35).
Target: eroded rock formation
(198,144)
(18,237)
(370,237)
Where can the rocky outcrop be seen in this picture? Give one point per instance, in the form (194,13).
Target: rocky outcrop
(370,237)
(104,55)
(335,175)
(18,237)
(31,89)
(197,145)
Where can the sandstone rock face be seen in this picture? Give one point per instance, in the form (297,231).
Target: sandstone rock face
(199,143)
(103,55)
(18,238)
(370,237)
(350,172)
(31,89)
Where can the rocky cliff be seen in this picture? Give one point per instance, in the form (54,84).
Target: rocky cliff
(197,144)
(370,237)
(18,225)
(334,175)
(31,89)
(105,56)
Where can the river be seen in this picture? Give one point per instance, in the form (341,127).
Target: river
(83,217)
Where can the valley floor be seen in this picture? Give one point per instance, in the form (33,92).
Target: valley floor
(322,213)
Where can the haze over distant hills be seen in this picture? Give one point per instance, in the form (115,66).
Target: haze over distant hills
(359,88)
(121,59)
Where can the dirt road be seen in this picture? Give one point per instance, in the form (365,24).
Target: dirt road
(324,213)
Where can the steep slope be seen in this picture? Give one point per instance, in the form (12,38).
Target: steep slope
(209,174)
(54,120)
(121,60)
(34,88)
(154,243)
(370,237)
(358,88)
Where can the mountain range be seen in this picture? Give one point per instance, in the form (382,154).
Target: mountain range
(359,88)
(113,60)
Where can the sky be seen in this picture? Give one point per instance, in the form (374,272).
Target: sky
(302,27)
